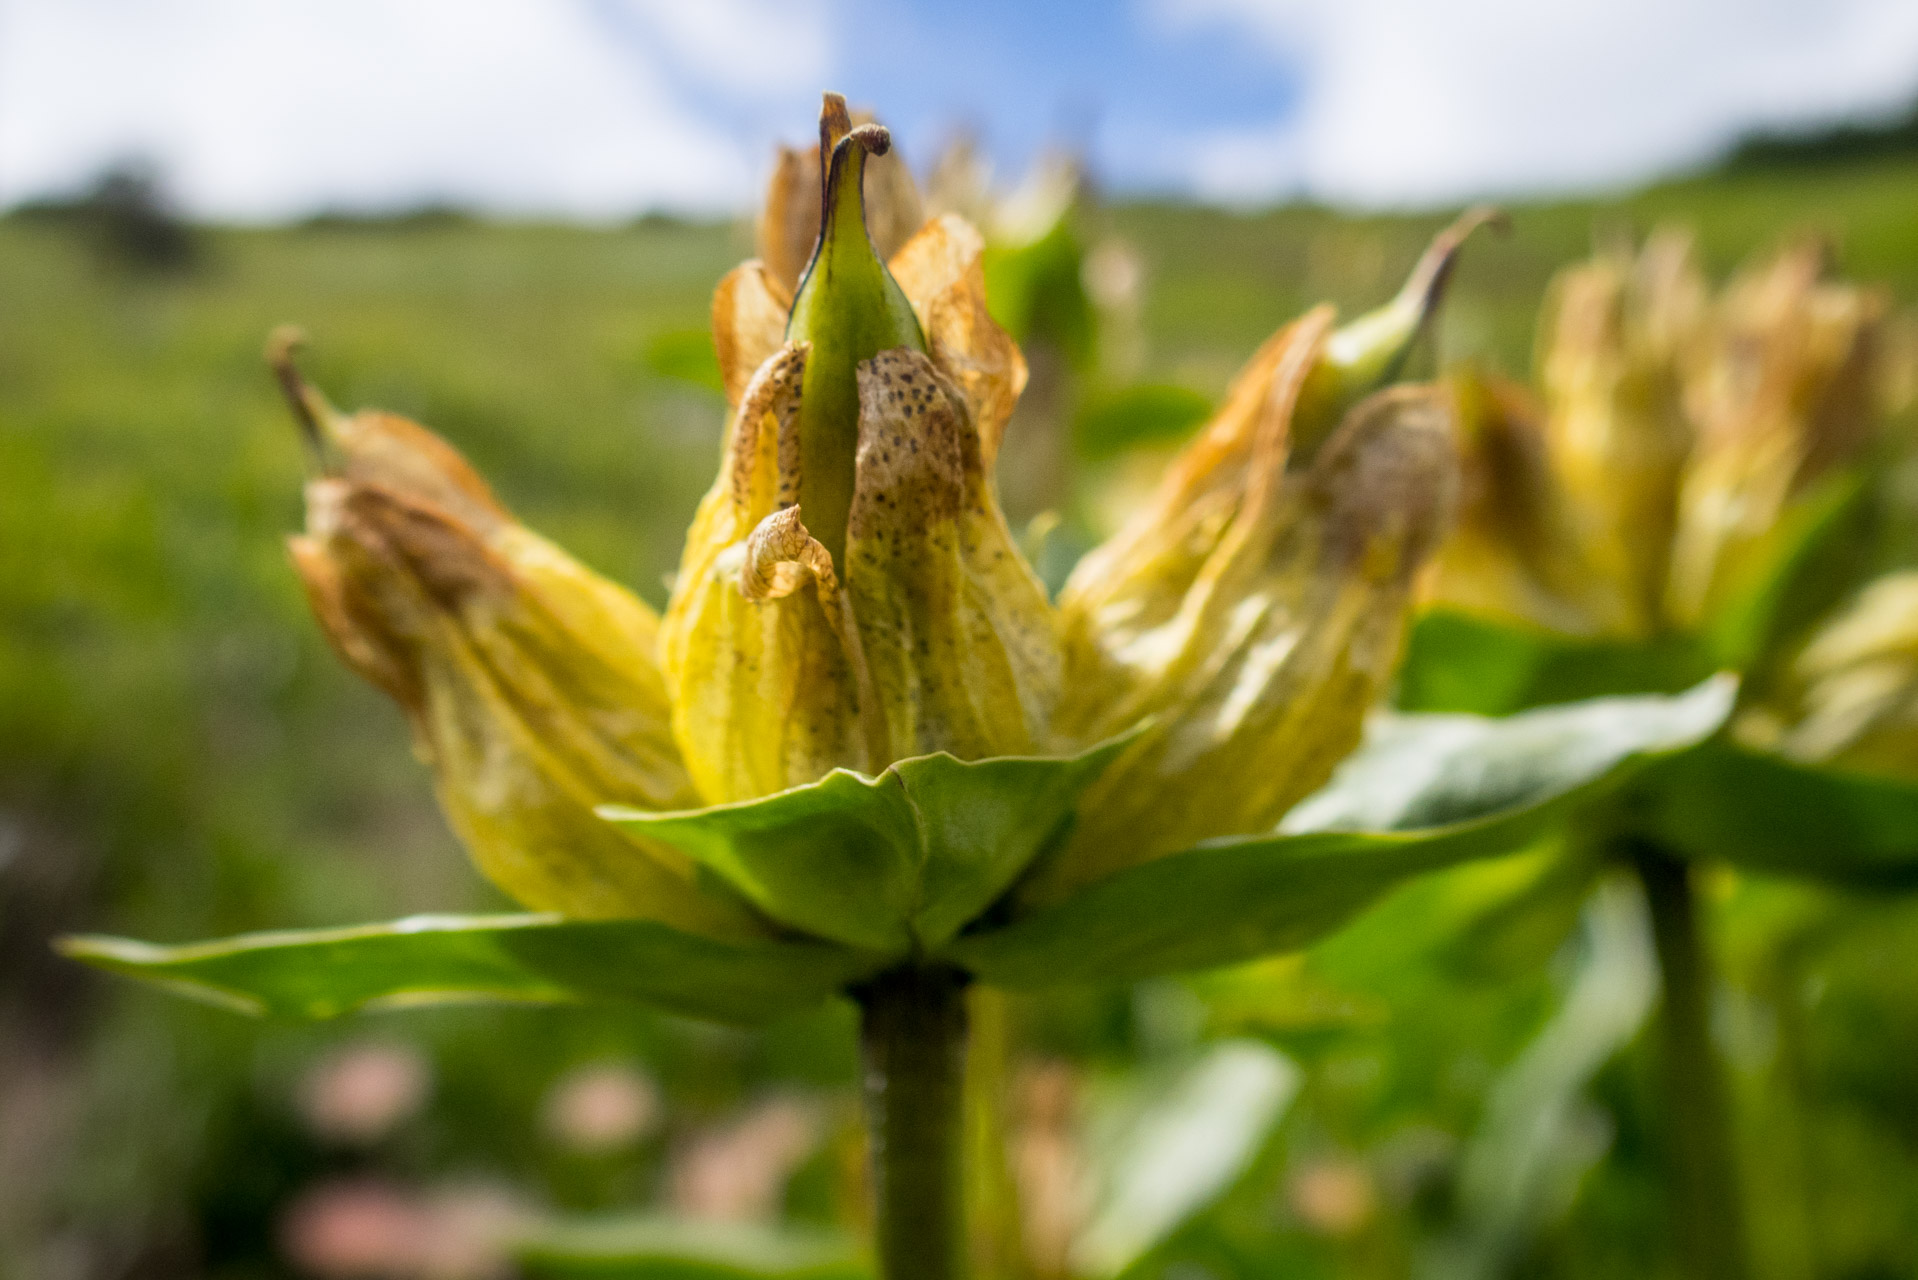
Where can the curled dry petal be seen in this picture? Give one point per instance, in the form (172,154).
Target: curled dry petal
(749,324)
(528,679)
(942,271)
(1256,615)
(782,556)
(1784,387)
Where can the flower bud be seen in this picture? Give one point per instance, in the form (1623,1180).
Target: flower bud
(850,595)
(529,681)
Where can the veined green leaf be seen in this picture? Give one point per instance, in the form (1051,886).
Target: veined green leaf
(894,863)
(539,959)
(655,1248)
(1458,662)
(1495,785)
(1766,813)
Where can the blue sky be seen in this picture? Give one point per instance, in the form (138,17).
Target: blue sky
(260,109)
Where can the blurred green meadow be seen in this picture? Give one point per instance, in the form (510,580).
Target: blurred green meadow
(181,756)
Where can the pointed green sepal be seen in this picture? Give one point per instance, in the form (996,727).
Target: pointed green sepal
(1371,351)
(898,863)
(849,308)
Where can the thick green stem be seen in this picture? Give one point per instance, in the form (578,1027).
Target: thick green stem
(913,1051)
(1709,1223)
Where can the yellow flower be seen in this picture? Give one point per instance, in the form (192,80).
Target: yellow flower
(1672,430)
(850,597)
(1851,695)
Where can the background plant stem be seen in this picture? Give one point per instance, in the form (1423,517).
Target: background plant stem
(1709,1224)
(913,1052)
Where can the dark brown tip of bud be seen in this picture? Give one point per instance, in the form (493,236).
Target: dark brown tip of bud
(875,138)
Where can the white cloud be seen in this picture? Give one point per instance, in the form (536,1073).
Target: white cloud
(1408,101)
(262,108)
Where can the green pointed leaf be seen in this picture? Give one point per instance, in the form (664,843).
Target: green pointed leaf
(1433,791)
(1766,813)
(894,863)
(539,959)
(1463,663)
(655,1248)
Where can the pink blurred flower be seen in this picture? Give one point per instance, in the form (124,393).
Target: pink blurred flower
(737,1172)
(363,1229)
(1332,1195)
(602,1107)
(357,1094)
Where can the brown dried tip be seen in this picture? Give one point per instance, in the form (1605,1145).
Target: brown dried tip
(835,122)
(282,347)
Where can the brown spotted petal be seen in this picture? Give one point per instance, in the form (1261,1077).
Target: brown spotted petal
(942,272)
(762,689)
(529,681)
(1785,386)
(1298,641)
(954,628)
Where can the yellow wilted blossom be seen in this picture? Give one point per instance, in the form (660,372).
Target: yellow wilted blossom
(529,680)
(849,595)
(1671,430)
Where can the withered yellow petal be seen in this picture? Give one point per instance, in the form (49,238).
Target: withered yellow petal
(1132,614)
(1851,696)
(1303,628)
(532,692)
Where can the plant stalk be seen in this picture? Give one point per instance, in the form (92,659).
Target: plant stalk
(1709,1222)
(913,1052)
